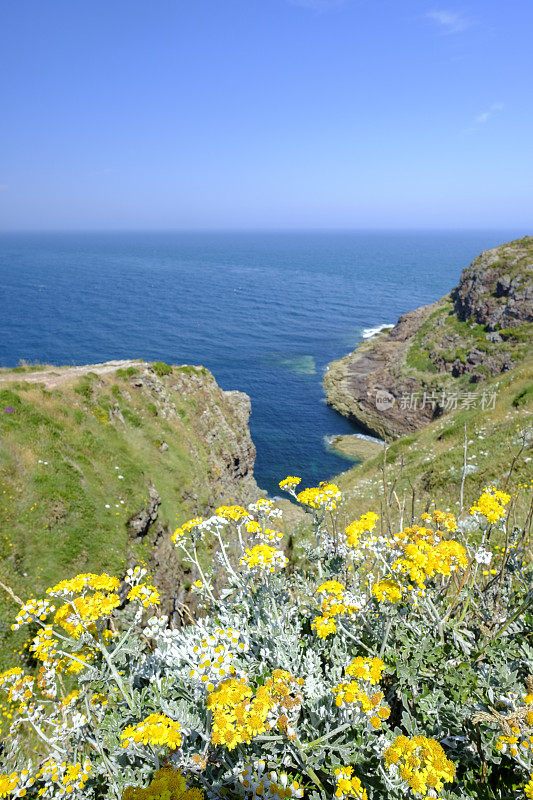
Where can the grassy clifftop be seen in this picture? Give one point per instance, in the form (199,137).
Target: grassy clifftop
(96,463)
(428,465)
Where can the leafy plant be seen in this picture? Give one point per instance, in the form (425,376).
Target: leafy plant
(393,660)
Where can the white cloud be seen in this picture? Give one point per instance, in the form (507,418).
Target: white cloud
(483,118)
(486,115)
(449,21)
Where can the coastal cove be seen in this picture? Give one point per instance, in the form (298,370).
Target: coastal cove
(265,312)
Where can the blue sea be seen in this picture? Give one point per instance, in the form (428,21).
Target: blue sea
(265,312)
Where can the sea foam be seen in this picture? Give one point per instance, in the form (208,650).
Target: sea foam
(369,332)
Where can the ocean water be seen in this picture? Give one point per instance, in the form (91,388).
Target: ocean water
(265,312)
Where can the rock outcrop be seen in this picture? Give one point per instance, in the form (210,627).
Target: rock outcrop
(496,290)
(398,381)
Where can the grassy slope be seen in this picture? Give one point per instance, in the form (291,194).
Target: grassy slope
(53,517)
(433,457)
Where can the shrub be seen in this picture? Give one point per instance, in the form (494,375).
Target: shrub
(127,372)
(393,662)
(161,369)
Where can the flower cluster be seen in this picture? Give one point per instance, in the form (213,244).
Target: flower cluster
(289,482)
(99,583)
(77,616)
(216,656)
(60,779)
(441,519)
(421,555)
(420,762)
(387,591)
(157,729)
(262,557)
(348,785)
(16,784)
(491,504)
(239,714)
(357,696)
(34,609)
(325,497)
(145,594)
(185,528)
(335,603)
(232,513)
(365,524)
(166,784)
(517,726)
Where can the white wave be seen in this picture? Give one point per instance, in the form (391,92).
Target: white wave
(369,332)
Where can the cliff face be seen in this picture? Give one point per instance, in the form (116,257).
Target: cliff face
(98,464)
(400,380)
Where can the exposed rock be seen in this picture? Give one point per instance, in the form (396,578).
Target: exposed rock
(496,290)
(399,381)
(139,525)
(368,385)
(354,446)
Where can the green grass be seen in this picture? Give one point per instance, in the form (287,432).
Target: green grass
(431,461)
(53,515)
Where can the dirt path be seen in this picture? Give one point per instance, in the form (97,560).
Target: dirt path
(53,376)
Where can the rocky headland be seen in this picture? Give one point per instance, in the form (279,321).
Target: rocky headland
(440,355)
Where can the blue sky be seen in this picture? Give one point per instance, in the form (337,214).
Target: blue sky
(146,114)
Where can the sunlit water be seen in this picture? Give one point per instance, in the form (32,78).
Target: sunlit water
(265,312)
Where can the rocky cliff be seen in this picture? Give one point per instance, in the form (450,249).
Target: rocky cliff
(98,464)
(440,355)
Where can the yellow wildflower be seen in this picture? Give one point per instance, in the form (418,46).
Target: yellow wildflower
(491,504)
(166,784)
(420,762)
(348,785)
(156,729)
(291,481)
(387,590)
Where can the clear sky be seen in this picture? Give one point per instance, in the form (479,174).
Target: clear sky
(146,114)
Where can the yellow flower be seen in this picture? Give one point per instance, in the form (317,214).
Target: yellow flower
(180,532)
(234,513)
(420,762)
(387,590)
(324,496)
(369,669)
(263,557)
(8,783)
(528,788)
(146,595)
(491,504)
(366,523)
(323,626)
(331,587)
(291,481)
(156,729)
(348,785)
(166,784)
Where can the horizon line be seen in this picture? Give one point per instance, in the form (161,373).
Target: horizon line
(273,229)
